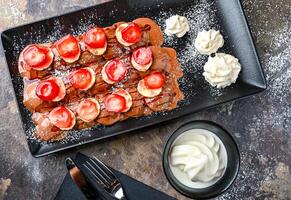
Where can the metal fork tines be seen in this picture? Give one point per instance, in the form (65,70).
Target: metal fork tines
(105,177)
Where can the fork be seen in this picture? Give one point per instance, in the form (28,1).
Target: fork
(105,177)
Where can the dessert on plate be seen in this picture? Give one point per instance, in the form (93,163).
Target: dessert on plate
(103,76)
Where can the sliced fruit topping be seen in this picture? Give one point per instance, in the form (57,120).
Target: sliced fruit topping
(115,103)
(151,85)
(132,33)
(83,79)
(142,59)
(47,90)
(128,34)
(95,38)
(114,71)
(145,91)
(96,41)
(38,57)
(127,97)
(63,118)
(69,48)
(155,80)
(88,109)
(142,56)
(51,90)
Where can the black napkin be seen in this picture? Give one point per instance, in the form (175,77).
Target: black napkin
(69,190)
(133,189)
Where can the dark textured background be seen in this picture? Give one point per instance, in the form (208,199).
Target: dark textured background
(261,124)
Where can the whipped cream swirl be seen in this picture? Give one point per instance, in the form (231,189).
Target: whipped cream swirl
(177,25)
(208,42)
(222,70)
(198,157)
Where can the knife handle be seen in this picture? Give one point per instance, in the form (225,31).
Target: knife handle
(79,179)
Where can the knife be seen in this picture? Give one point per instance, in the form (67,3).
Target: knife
(81,160)
(80,180)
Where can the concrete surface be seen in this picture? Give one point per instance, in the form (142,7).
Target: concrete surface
(261,124)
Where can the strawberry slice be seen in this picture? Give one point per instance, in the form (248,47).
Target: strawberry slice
(145,91)
(52,89)
(68,48)
(132,33)
(127,96)
(95,38)
(38,57)
(115,103)
(154,81)
(142,59)
(88,109)
(47,90)
(83,78)
(142,56)
(62,117)
(115,70)
(96,41)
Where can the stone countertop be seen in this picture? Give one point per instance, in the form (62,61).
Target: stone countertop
(261,124)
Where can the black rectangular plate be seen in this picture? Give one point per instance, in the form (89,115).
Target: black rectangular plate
(225,15)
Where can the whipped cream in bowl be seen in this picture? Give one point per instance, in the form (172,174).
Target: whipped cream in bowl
(201,159)
(198,158)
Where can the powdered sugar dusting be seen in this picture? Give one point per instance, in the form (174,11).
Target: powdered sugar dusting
(266,139)
(200,16)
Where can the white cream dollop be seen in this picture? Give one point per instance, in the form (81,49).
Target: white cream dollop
(198,157)
(177,25)
(222,70)
(208,42)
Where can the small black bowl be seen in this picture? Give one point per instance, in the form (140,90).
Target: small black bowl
(231,171)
